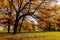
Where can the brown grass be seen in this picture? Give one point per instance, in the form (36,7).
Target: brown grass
(31,36)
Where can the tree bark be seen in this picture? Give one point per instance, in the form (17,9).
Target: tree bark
(16,23)
(21,25)
(8,25)
(15,27)
(19,28)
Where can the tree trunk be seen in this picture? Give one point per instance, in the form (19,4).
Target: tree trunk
(8,25)
(9,22)
(19,28)
(21,25)
(16,23)
(15,27)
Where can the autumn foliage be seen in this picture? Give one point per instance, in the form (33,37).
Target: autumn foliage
(46,16)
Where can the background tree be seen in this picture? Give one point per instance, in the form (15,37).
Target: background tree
(43,11)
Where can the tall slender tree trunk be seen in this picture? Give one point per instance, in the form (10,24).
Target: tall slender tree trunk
(20,25)
(9,22)
(19,28)
(15,30)
(8,25)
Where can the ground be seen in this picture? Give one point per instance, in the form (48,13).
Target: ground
(31,36)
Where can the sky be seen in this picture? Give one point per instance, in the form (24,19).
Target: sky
(57,2)
(30,19)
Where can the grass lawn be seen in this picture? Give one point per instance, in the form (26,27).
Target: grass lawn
(30,36)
